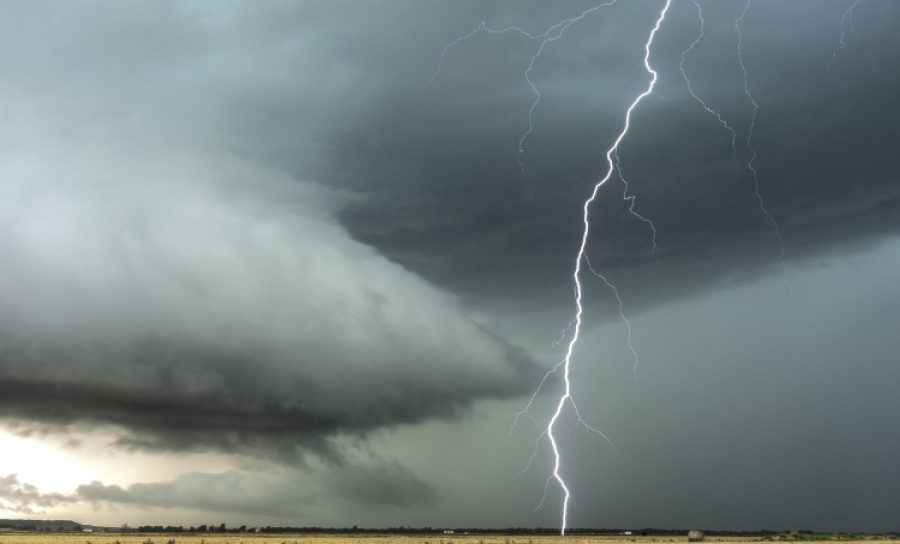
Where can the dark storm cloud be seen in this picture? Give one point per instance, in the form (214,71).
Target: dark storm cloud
(439,188)
(447,199)
(167,274)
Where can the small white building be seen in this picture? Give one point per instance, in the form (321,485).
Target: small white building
(86,530)
(449,532)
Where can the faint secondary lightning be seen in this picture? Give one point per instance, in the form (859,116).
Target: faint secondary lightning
(684,54)
(630,200)
(563,25)
(562,336)
(724,123)
(621,309)
(482,26)
(848,18)
(784,266)
(552,34)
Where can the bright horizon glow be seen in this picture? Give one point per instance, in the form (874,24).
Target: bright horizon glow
(44,465)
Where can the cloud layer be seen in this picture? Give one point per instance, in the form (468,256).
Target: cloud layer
(373,485)
(24,498)
(247,228)
(216,305)
(447,197)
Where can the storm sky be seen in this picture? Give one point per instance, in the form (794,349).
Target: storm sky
(276,263)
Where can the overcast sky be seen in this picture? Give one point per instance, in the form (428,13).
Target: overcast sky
(277,263)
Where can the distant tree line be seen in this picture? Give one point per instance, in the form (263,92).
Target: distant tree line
(766,534)
(35,528)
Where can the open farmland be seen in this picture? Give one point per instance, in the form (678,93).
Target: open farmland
(246,538)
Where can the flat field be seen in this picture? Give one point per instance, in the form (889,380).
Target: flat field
(251,538)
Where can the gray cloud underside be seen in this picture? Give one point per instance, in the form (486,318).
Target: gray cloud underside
(190,308)
(383,484)
(25,498)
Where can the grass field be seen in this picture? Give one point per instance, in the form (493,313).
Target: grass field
(249,538)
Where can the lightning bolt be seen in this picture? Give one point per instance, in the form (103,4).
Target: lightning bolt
(566,400)
(613,161)
(552,34)
(582,256)
(847,17)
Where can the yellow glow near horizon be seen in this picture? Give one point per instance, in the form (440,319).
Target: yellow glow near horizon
(44,465)
(52,465)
